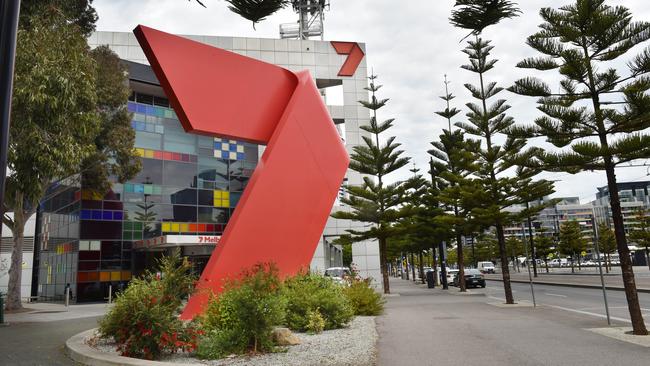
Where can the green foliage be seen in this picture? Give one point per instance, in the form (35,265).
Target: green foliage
(78,12)
(640,233)
(311,292)
(255,10)
(315,322)
(363,298)
(477,15)
(114,154)
(242,317)
(572,242)
(144,321)
(375,201)
(606,239)
(544,245)
(219,343)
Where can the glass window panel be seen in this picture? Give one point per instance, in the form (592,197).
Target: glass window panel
(237,184)
(151,172)
(179,141)
(185,196)
(179,174)
(111,250)
(206,198)
(212,215)
(149,139)
(101,230)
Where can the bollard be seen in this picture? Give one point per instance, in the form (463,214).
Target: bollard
(110,293)
(67,296)
(2,309)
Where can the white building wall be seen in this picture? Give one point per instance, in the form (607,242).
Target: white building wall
(323,63)
(28,257)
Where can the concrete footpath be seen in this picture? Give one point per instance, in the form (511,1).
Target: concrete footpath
(49,312)
(587,277)
(435,327)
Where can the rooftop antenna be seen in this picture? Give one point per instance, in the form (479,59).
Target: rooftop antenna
(310,20)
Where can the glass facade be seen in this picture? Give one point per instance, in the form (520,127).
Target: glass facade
(189,185)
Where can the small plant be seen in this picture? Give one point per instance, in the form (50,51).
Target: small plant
(144,321)
(315,322)
(363,298)
(242,317)
(310,292)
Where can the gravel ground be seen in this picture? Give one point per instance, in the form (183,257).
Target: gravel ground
(354,345)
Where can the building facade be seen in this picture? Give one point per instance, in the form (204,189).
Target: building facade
(189,184)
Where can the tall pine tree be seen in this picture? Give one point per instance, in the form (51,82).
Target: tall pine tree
(490,123)
(375,201)
(597,113)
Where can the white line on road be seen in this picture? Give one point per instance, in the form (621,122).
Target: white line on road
(588,313)
(546,293)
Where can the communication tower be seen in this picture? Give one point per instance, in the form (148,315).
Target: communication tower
(310,19)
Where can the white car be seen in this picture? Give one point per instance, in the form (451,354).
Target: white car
(451,274)
(485,267)
(337,274)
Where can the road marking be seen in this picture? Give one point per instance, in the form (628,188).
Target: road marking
(589,313)
(546,293)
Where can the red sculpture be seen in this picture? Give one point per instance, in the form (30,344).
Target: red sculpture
(285,206)
(355,55)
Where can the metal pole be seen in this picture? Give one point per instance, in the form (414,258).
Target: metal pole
(110,293)
(67,296)
(9,11)
(600,268)
(442,248)
(530,278)
(532,243)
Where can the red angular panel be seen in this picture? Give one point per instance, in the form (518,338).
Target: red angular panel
(282,213)
(355,55)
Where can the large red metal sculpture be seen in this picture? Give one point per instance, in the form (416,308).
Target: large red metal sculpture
(285,206)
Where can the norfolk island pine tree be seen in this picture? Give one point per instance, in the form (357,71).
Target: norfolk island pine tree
(375,201)
(575,40)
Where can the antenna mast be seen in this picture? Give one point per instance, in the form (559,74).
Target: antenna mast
(310,19)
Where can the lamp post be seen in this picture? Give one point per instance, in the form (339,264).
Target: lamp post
(9,11)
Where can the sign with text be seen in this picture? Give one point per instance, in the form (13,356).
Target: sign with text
(168,241)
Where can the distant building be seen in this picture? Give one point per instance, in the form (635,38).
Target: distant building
(634,197)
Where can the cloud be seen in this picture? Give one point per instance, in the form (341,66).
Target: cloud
(410,45)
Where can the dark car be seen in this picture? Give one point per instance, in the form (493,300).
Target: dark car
(473,278)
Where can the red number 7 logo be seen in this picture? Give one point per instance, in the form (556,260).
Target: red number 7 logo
(282,213)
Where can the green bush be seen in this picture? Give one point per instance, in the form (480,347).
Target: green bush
(306,293)
(363,298)
(242,317)
(315,323)
(144,320)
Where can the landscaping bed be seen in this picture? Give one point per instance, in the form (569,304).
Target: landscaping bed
(352,345)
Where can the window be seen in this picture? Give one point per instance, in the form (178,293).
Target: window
(179,174)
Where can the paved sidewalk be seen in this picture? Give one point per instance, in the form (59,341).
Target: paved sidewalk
(587,277)
(434,327)
(48,312)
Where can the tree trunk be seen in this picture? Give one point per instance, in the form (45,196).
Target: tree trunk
(413,266)
(647,257)
(382,264)
(443,264)
(422,268)
(461,264)
(505,271)
(408,268)
(16,270)
(546,264)
(636,316)
(436,274)
(572,266)
(607,264)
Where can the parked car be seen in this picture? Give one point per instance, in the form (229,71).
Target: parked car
(485,267)
(473,278)
(451,274)
(338,274)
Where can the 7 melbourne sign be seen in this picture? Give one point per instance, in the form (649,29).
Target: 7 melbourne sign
(282,213)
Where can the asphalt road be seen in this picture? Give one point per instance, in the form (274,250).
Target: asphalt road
(40,343)
(585,301)
(430,327)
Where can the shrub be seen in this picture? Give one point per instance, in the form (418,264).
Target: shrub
(144,322)
(363,298)
(242,317)
(315,322)
(311,292)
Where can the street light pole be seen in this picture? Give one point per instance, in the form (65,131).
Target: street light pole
(530,279)
(532,242)
(600,267)
(9,12)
